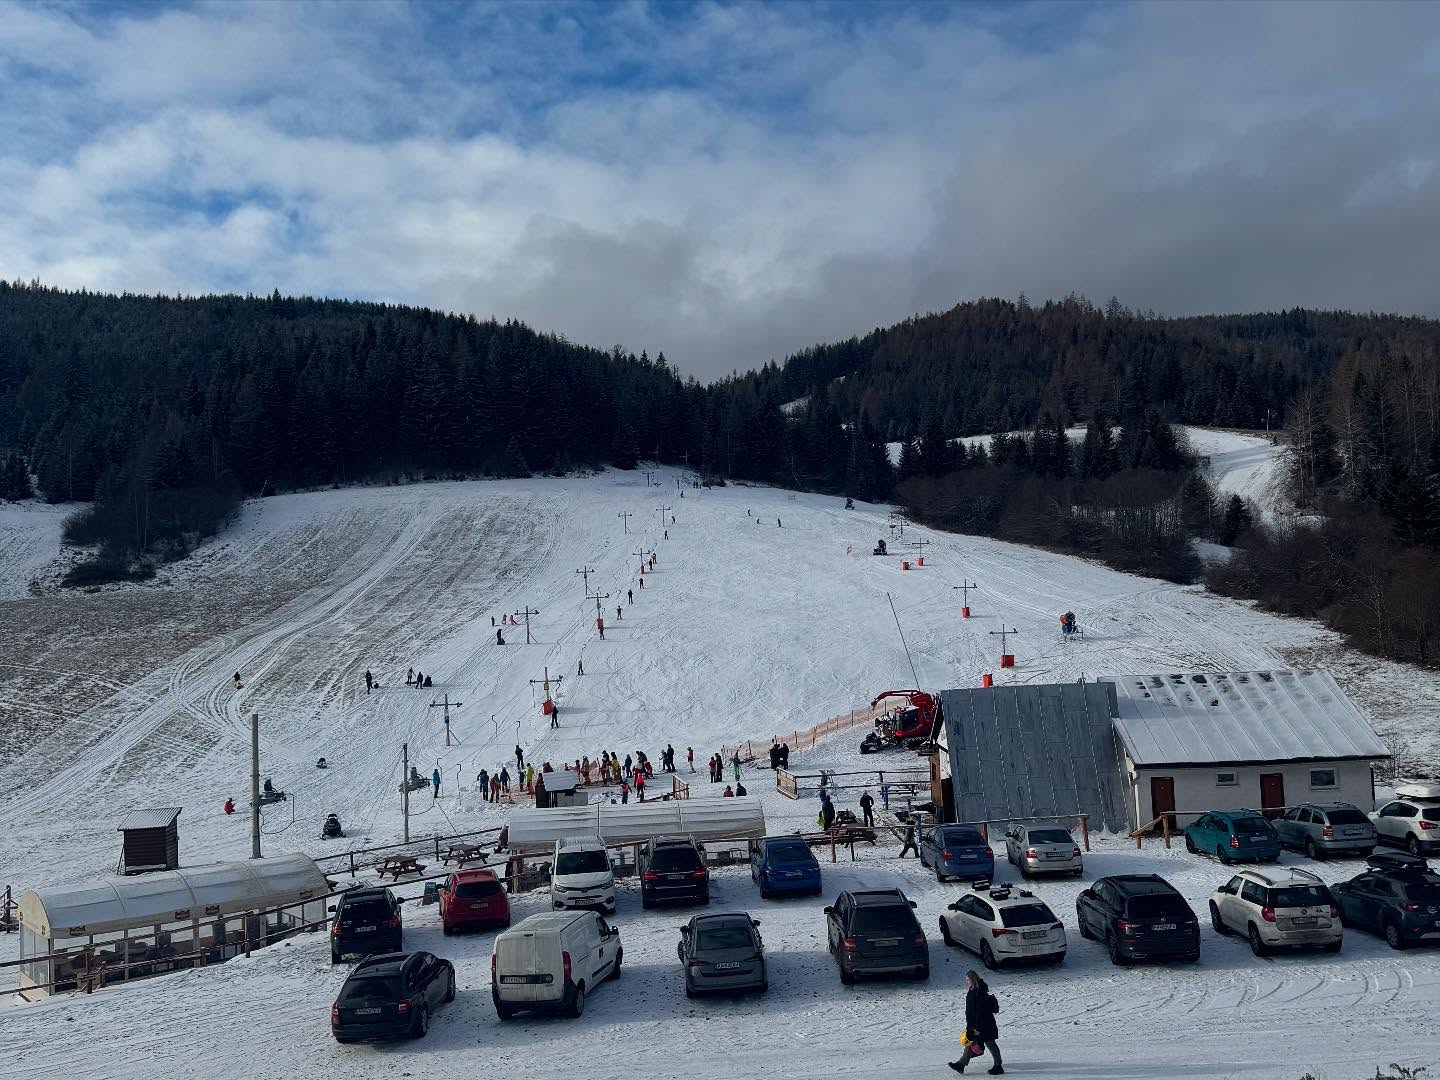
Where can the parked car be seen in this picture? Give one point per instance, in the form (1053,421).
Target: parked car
(1138,917)
(1004,925)
(1043,849)
(1232,835)
(722,952)
(367,922)
(551,961)
(875,932)
(1412,819)
(1281,908)
(1398,897)
(581,875)
(672,868)
(391,996)
(473,898)
(958,851)
(1324,829)
(784,864)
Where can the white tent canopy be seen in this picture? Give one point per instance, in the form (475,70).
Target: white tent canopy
(534,832)
(192,893)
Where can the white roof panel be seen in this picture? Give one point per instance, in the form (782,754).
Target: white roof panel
(1239,717)
(535,831)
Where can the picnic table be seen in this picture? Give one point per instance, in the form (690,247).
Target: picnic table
(465,853)
(396,866)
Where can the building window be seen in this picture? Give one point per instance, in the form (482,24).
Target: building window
(1227,779)
(1322,778)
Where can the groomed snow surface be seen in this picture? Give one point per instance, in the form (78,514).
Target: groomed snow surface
(765,614)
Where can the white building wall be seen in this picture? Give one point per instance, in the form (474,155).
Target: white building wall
(1196,787)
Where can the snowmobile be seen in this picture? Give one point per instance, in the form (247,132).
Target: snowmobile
(269,795)
(331,830)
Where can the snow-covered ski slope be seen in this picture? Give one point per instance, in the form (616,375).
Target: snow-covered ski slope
(1248,465)
(746,628)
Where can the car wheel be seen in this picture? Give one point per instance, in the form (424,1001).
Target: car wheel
(447,929)
(987,956)
(343,1039)
(577,1003)
(765,893)
(922,974)
(1413,846)
(1257,946)
(847,977)
(1311,851)
(945,933)
(1058,959)
(619,956)
(1024,871)
(689,990)
(1116,956)
(939,876)
(1220,854)
(335,958)
(1217,922)
(1190,845)
(450,989)
(1365,853)
(504,1012)
(1080,925)
(645,901)
(422,1022)
(1393,937)
(1334,946)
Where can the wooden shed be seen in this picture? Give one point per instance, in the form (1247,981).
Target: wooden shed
(151,840)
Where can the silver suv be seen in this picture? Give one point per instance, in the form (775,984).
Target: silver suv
(1412,819)
(1324,829)
(1043,849)
(1281,908)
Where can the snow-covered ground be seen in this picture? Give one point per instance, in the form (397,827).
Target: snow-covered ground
(1247,465)
(29,543)
(764,614)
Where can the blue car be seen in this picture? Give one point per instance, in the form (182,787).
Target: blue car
(784,864)
(957,851)
(1233,836)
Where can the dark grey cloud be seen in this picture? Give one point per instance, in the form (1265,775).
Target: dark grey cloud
(729,183)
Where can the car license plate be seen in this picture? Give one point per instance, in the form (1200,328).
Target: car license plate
(1303,922)
(367,1012)
(1033,935)
(886,943)
(479,907)
(514,978)
(364,929)
(674,877)
(1056,855)
(728,965)
(968,855)
(1163,926)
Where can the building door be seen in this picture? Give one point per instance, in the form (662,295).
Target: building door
(1162,798)
(1272,793)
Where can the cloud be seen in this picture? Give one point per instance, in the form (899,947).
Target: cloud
(723,182)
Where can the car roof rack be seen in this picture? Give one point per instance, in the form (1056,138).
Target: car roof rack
(1397,862)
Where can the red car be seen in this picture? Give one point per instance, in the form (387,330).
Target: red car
(473,898)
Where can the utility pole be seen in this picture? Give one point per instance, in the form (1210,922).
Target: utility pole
(585,572)
(597,597)
(919,544)
(527,612)
(663,511)
(642,553)
(546,681)
(405,787)
(625,517)
(1007,658)
(965,588)
(255,785)
(447,705)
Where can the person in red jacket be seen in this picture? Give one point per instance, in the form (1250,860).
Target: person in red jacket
(640,784)
(229,806)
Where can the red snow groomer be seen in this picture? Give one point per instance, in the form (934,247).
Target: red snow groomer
(910,726)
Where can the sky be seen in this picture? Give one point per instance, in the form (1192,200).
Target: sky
(727,183)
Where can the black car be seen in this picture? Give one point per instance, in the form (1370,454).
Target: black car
(1138,917)
(673,868)
(875,932)
(1398,898)
(367,921)
(391,997)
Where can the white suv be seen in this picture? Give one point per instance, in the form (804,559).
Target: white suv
(1002,926)
(1412,819)
(1281,908)
(581,876)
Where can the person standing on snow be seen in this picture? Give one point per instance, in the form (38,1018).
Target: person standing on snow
(519,757)
(630,595)
(827,812)
(640,784)
(369,681)
(980,1026)
(485,784)
(735,761)
(505,779)
(867,807)
(690,757)
(435,781)
(499,636)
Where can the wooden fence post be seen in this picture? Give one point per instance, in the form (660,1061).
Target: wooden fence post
(1165,828)
(1085,829)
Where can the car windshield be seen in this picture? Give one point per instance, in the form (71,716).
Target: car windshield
(1251,825)
(1158,907)
(963,837)
(473,890)
(1050,836)
(724,936)
(672,859)
(1299,896)
(1027,915)
(582,862)
(373,987)
(890,919)
(1346,815)
(790,853)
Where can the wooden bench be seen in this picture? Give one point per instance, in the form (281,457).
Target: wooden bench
(465,853)
(396,866)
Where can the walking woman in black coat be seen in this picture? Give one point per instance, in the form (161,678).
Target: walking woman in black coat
(980,1027)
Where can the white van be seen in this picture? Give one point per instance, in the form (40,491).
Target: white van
(551,961)
(580,875)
